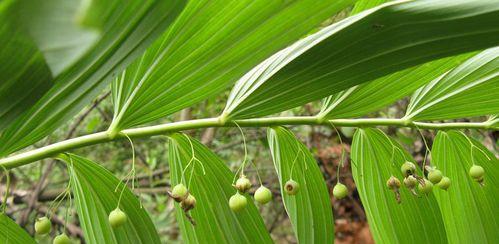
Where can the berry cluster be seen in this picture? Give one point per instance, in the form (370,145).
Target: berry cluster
(43,227)
(181,194)
(238,201)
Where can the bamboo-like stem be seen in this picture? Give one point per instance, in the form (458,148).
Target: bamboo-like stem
(53,150)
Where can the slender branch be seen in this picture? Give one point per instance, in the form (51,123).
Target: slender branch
(102,137)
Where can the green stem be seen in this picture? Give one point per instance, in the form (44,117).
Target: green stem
(53,150)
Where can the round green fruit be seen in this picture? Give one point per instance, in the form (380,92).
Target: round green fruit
(237,202)
(263,195)
(117,218)
(291,187)
(62,239)
(428,186)
(42,226)
(444,183)
(408,168)
(179,192)
(435,176)
(393,183)
(243,184)
(188,203)
(410,182)
(477,172)
(340,191)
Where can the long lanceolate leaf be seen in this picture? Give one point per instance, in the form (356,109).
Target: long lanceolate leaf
(212,44)
(469,210)
(24,75)
(11,233)
(310,210)
(212,188)
(471,89)
(127,30)
(361,48)
(95,197)
(371,96)
(415,219)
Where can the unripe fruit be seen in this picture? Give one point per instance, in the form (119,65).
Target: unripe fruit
(243,184)
(408,168)
(263,195)
(428,186)
(62,239)
(292,187)
(444,183)
(188,203)
(393,183)
(410,182)
(477,172)
(117,218)
(42,226)
(435,176)
(340,191)
(237,202)
(179,192)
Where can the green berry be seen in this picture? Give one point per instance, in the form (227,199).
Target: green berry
(340,191)
(179,192)
(188,203)
(243,184)
(237,202)
(393,183)
(428,186)
(42,226)
(444,183)
(477,172)
(435,176)
(62,239)
(410,182)
(408,168)
(263,195)
(117,218)
(291,187)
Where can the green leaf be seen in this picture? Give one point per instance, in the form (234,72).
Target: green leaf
(94,193)
(57,36)
(211,44)
(129,28)
(365,4)
(310,210)
(366,46)
(415,219)
(469,210)
(24,75)
(371,96)
(215,222)
(471,89)
(11,233)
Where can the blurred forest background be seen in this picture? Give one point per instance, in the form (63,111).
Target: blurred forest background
(35,186)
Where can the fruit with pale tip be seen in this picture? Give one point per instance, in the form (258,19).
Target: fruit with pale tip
(42,226)
(117,218)
(340,191)
(426,188)
(444,183)
(237,202)
(179,192)
(62,239)
(435,176)
(263,195)
(477,172)
(291,187)
(243,184)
